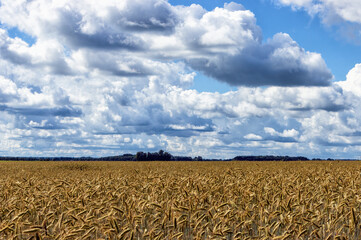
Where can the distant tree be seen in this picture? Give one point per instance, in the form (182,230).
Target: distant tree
(141,156)
(167,156)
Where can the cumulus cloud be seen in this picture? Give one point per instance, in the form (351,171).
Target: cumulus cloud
(100,111)
(225,43)
(353,81)
(14,50)
(229,48)
(89,24)
(331,11)
(345,14)
(285,136)
(44,54)
(280,62)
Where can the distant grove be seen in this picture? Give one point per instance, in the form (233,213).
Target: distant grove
(157,156)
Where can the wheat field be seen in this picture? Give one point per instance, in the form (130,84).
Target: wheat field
(180,200)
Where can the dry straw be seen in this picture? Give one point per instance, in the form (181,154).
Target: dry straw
(178,200)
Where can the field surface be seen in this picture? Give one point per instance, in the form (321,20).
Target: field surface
(180,200)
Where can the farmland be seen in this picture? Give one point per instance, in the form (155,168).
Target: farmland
(180,200)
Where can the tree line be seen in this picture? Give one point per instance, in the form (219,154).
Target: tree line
(161,155)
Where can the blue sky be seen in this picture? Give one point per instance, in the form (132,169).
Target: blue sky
(211,78)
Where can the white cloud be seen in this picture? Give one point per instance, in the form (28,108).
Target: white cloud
(353,81)
(344,15)
(331,11)
(120,38)
(227,45)
(252,136)
(286,133)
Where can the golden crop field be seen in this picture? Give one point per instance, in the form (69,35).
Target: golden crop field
(180,200)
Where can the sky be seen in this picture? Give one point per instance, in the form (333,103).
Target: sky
(198,78)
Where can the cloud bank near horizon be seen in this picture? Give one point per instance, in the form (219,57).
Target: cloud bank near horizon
(108,77)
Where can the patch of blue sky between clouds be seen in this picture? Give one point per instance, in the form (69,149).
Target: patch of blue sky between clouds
(202,83)
(15,32)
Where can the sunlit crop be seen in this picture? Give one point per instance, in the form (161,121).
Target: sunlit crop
(180,200)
